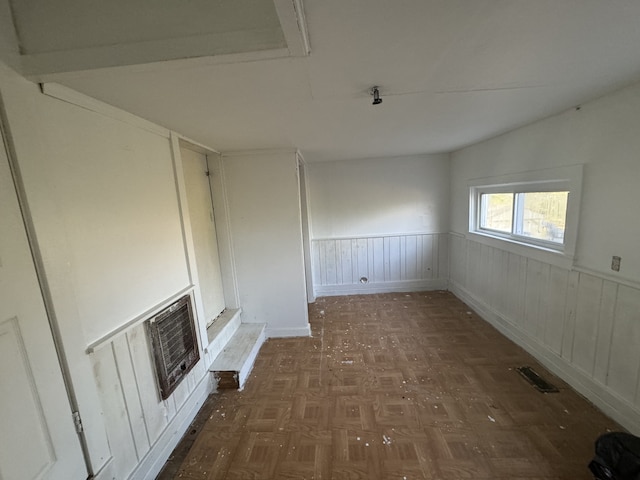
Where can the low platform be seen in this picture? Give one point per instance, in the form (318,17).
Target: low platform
(232,366)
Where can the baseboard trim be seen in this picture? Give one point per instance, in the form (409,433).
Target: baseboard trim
(599,394)
(288,332)
(151,464)
(385,287)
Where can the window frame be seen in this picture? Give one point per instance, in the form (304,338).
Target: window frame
(565,179)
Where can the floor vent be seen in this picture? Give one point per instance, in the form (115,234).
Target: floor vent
(174,344)
(536,380)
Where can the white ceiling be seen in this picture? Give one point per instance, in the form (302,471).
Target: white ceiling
(48,26)
(451,73)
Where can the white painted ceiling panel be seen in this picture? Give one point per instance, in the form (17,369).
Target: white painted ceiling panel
(49,26)
(451,73)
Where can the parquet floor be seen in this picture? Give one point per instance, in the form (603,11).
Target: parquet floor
(394,386)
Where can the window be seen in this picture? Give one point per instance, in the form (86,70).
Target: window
(496,212)
(535,215)
(535,209)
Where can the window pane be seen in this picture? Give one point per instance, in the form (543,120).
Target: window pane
(543,215)
(496,211)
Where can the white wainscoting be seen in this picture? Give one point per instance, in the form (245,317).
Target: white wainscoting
(142,428)
(389,263)
(582,326)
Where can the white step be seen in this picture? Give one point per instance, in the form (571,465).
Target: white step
(221,330)
(232,366)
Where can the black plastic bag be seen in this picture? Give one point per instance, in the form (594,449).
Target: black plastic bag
(617,457)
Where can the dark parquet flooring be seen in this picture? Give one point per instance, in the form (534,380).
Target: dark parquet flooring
(392,386)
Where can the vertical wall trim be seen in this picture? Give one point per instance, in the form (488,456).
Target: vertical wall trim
(219,196)
(185,219)
(306,226)
(598,327)
(112,348)
(137,382)
(187,240)
(613,327)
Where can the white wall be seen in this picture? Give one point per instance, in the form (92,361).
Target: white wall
(370,197)
(266,227)
(104,207)
(382,219)
(602,135)
(581,320)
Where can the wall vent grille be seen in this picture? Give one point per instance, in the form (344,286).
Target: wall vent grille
(174,344)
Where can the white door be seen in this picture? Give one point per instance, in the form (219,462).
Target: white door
(37,434)
(204,232)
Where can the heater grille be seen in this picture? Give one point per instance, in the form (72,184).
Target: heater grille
(174,344)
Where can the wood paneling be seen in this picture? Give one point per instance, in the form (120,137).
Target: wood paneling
(135,415)
(605,330)
(625,352)
(117,415)
(156,414)
(588,325)
(391,261)
(556,295)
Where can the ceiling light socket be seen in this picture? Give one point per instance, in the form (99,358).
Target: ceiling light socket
(375,92)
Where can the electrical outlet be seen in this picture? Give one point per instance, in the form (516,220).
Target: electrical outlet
(615,263)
